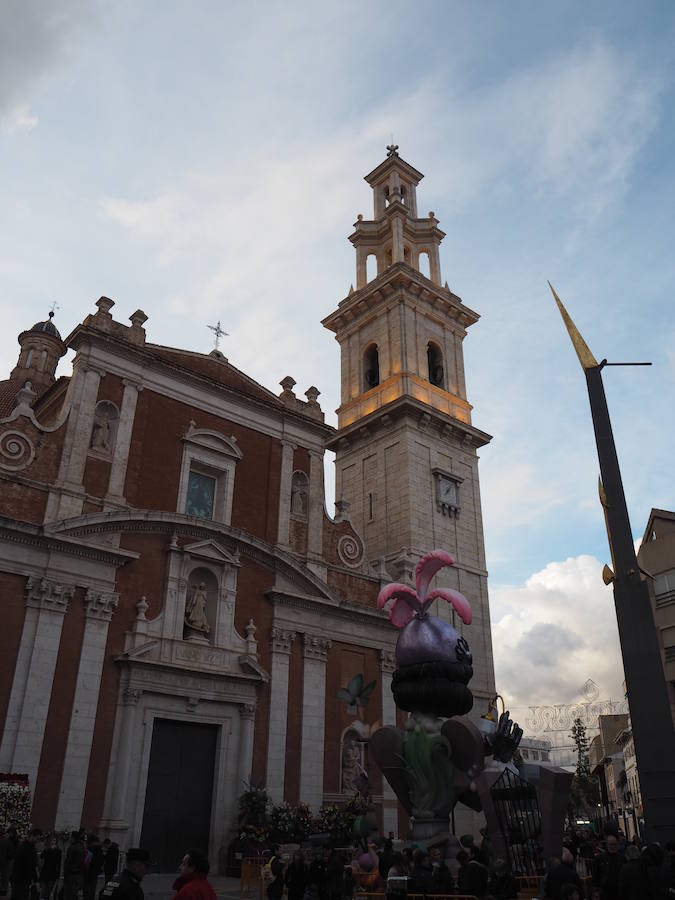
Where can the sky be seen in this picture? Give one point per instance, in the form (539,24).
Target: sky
(204,161)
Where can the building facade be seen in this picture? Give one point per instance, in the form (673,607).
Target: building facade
(179,608)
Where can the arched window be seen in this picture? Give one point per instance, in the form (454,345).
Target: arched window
(423,263)
(371,367)
(435,361)
(29,357)
(406,254)
(371,267)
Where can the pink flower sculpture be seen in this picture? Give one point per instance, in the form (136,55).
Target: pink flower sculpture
(409,603)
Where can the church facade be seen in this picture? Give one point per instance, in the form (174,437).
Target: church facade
(179,609)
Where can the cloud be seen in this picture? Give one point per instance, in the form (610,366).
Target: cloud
(18,119)
(34,38)
(553,632)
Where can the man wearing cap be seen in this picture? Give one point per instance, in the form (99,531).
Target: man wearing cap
(127,886)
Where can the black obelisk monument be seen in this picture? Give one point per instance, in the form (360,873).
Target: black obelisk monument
(653,732)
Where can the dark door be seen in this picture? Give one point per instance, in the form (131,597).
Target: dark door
(177,812)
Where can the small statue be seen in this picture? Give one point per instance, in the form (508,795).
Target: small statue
(352,770)
(299,497)
(195,611)
(100,437)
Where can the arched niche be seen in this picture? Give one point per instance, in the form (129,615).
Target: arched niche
(104,429)
(436,369)
(299,495)
(371,367)
(201,602)
(352,761)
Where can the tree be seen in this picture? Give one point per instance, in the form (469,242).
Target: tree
(584,792)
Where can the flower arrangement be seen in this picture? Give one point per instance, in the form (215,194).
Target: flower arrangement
(290,822)
(252,822)
(338,821)
(15,803)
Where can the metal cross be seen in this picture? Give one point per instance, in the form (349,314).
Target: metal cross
(218,332)
(392,148)
(53,308)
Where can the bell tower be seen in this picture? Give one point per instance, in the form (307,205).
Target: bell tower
(406,450)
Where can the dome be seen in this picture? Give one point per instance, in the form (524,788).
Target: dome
(47,327)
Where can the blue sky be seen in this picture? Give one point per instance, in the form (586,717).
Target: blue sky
(204,161)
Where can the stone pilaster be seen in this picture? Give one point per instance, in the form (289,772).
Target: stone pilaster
(247,727)
(115,819)
(282,641)
(46,605)
(315,517)
(389,805)
(99,607)
(118,469)
(315,650)
(285,485)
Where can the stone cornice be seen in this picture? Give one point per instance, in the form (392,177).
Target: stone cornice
(446,426)
(398,277)
(15,532)
(341,611)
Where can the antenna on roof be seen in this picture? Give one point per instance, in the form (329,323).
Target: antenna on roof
(218,332)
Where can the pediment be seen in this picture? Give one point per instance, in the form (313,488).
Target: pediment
(213,552)
(213,440)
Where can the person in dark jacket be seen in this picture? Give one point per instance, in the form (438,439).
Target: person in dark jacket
(50,868)
(606,869)
(632,882)
(94,867)
(111,859)
(128,885)
(561,872)
(275,889)
(73,867)
(25,867)
(296,877)
(502,886)
(7,851)
(335,869)
(473,876)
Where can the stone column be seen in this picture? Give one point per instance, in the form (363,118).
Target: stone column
(99,608)
(46,605)
(389,801)
(282,641)
(116,821)
(316,505)
(313,719)
(118,469)
(434,264)
(361,268)
(246,729)
(285,485)
(397,239)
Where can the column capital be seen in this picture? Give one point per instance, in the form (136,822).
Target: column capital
(42,593)
(315,454)
(282,640)
(100,604)
(315,647)
(247,711)
(290,445)
(387,659)
(133,383)
(131,696)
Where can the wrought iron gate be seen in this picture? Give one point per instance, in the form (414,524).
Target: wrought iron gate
(517,808)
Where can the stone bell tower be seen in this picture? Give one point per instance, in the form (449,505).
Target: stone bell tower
(405,450)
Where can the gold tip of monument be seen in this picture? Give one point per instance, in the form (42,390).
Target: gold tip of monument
(586,358)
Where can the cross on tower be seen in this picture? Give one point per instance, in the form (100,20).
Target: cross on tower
(392,149)
(218,332)
(53,308)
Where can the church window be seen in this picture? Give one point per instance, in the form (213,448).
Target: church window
(406,254)
(201,495)
(43,360)
(371,507)
(206,486)
(386,196)
(423,264)
(371,367)
(371,267)
(404,194)
(29,357)
(435,362)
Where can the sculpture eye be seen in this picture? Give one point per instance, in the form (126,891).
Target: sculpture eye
(462,651)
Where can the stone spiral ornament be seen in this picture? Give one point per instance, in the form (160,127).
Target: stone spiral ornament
(350,550)
(16,450)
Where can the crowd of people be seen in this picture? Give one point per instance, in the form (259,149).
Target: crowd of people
(589,868)
(36,868)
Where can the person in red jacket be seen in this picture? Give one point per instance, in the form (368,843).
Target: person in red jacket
(192,882)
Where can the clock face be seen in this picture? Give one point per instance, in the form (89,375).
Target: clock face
(447,491)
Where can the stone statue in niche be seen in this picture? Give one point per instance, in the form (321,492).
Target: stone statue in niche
(353,773)
(195,610)
(100,435)
(299,495)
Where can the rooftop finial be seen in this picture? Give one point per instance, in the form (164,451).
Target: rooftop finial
(392,149)
(53,307)
(218,332)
